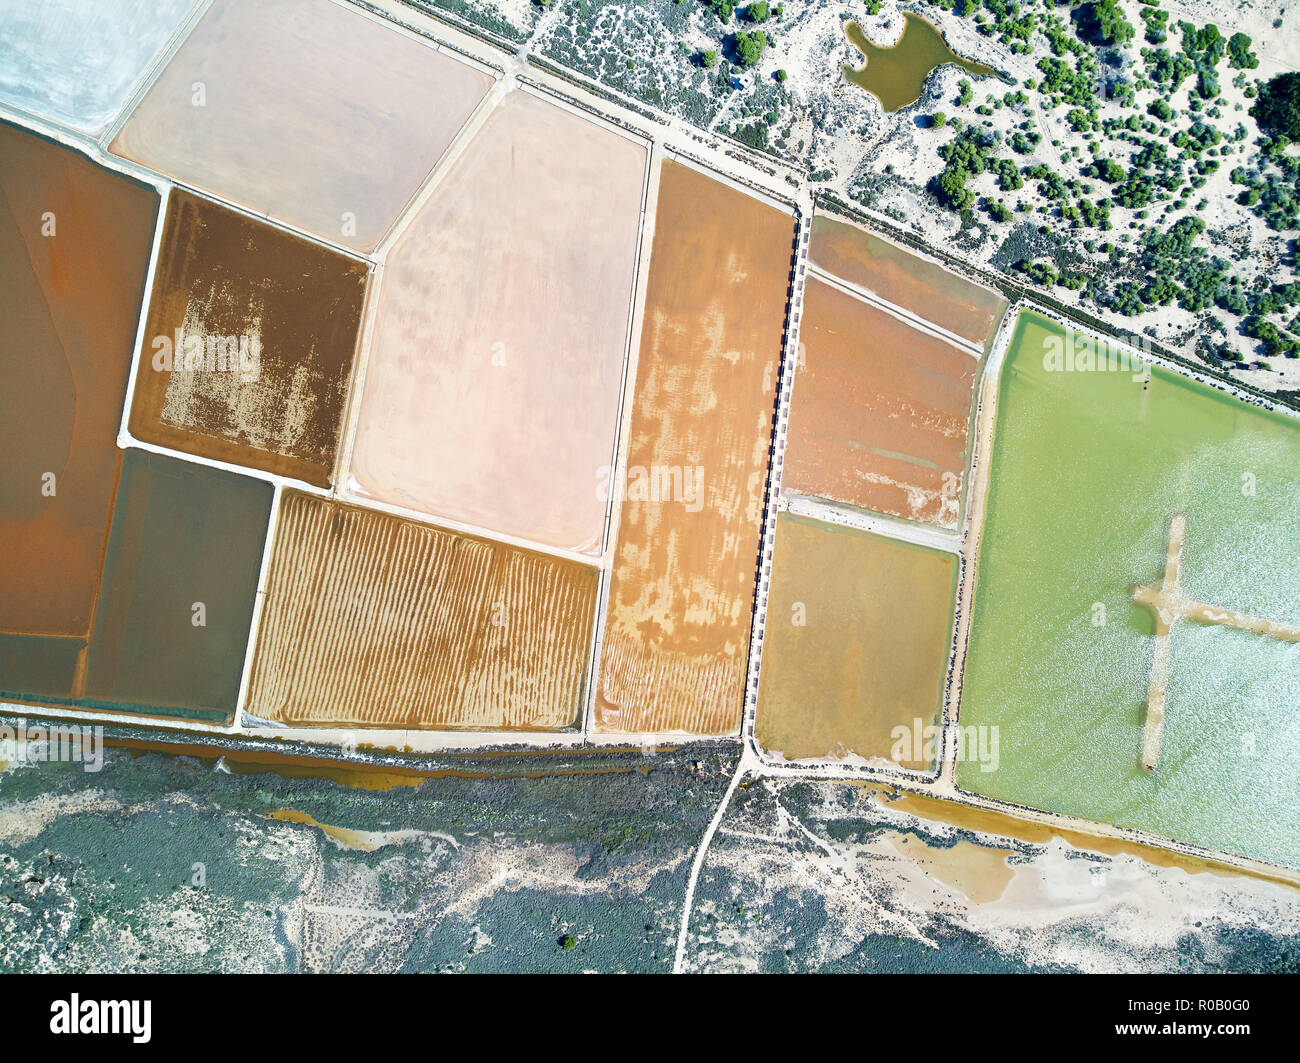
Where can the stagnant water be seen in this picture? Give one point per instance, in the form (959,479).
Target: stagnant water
(1088,470)
(896,75)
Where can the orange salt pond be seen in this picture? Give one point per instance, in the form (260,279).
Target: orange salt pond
(917,285)
(879,412)
(681,593)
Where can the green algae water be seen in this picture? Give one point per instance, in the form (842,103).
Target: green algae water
(1088,470)
(896,75)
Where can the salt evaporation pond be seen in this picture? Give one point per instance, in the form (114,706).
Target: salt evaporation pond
(1088,470)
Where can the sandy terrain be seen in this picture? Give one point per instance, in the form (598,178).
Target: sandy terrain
(306,111)
(834,877)
(74,248)
(492,389)
(285,314)
(849,658)
(879,411)
(375,621)
(682,587)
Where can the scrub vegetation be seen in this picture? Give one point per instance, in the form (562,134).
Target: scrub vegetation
(1150,121)
(1136,159)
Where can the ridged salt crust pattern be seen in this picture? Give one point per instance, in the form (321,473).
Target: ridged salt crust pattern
(672,691)
(375,621)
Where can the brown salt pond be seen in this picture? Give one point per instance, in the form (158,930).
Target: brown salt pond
(248,343)
(180,580)
(304,110)
(172,619)
(917,285)
(493,384)
(855,645)
(682,587)
(374,621)
(75,241)
(880,411)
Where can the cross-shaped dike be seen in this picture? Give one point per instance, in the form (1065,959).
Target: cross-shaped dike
(1170,605)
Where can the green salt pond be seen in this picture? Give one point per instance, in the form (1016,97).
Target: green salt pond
(896,75)
(1088,469)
